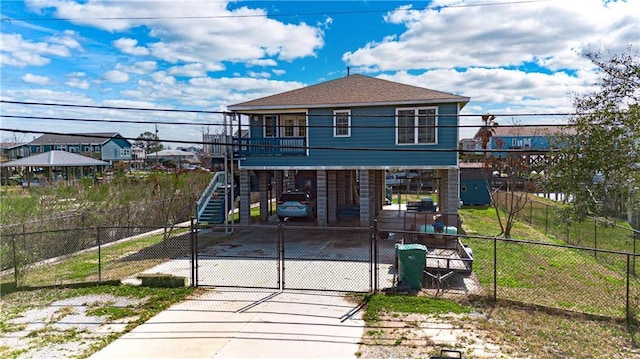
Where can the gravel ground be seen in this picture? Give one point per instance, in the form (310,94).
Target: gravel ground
(64,329)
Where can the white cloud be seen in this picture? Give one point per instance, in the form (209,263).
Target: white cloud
(19,52)
(35,79)
(498,36)
(216,36)
(260,75)
(262,62)
(195,69)
(116,76)
(206,91)
(278,72)
(138,68)
(129,47)
(76,80)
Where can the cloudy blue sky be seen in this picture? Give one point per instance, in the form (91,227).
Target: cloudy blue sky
(509,57)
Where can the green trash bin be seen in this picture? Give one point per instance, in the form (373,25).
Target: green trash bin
(411,261)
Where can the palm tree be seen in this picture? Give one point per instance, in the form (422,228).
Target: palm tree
(487,130)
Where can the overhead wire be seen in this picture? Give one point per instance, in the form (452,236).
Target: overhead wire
(272,15)
(292,147)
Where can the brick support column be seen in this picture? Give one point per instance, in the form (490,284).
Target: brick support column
(279,183)
(245,198)
(365,198)
(332,196)
(264,198)
(321,201)
(341,190)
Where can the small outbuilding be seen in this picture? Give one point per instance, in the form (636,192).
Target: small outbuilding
(475,182)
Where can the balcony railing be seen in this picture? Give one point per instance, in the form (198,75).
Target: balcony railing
(272,146)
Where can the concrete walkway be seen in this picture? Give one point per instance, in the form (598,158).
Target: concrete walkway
(247,324)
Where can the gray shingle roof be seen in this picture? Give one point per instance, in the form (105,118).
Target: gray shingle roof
(352,91)
(55,159)
(97,138)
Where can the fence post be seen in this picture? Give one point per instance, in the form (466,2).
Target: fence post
(530,212)
(192,242)
(634,252)
(546,218)
(374,257)
(495,269)
(281,254)
(15,262)
(628,311)
(98,234)
(595,237)
(196,246)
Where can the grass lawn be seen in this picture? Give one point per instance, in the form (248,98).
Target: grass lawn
(545,275)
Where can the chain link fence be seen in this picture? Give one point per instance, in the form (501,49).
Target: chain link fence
(582,279)
(557,276)
(594,233)
(81,255)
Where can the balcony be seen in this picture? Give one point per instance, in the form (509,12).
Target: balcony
(271,146)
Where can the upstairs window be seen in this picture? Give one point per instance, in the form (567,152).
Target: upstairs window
(416,126)
(342,123)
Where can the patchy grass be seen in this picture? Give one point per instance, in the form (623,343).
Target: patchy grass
(397,303)
(412,326)
(51,337)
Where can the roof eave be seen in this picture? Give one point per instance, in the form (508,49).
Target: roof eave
(462,100)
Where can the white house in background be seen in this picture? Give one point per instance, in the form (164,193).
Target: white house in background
(177,156)
(469,144)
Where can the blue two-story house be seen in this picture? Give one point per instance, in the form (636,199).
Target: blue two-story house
(106,146)
(336,139)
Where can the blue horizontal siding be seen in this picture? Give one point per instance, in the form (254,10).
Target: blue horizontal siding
(372,142)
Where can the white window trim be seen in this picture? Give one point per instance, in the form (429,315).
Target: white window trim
(335,123)
(415,127)
(275,124)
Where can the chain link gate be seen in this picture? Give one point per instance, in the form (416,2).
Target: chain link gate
(283,257)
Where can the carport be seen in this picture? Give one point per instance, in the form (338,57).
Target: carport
(72,165)
(287,257)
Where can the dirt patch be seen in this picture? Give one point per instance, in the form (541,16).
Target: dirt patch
(65,328)
(420,336)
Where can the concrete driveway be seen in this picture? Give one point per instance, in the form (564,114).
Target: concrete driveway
(247,324)
(328,259)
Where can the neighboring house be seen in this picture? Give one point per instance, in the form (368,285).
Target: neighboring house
(336,139)
(108,146)
(176,156)
(530,138)
(469,144)
(7,147)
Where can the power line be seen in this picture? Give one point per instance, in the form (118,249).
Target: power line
(325,13)
(275,113)
(293,147)
(281,126)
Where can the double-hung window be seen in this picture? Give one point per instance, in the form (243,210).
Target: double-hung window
(416,126)
(341,123)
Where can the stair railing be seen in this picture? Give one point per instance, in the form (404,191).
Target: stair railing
(217,181)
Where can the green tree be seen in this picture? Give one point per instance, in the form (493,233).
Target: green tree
(149,142)
(598,158)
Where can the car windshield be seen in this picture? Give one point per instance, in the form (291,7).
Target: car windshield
(300,197)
